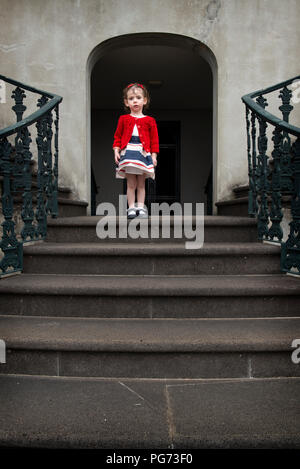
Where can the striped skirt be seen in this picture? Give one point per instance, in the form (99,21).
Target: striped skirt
(135,160)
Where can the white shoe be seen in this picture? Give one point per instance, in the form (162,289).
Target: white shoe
(142,213)
(131,212)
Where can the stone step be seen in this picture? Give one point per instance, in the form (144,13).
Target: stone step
(149,258)
(67,207)
(150,296)
(233,207)
(63,191)
(216,229)
(241,191)
(71,208)
(150,348)
(239,206)
(81,413)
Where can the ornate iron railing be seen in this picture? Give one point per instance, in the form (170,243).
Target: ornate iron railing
(36,199)
(274,179)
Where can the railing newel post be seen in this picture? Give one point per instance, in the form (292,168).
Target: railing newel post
(40,214)
(55,165)
(251,192)
(263,213)
(276,214)
(285,167)
(254,163)
(48,165)
(27,209)
(19,108)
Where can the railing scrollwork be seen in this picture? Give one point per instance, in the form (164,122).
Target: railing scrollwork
(274,178)
(17,147)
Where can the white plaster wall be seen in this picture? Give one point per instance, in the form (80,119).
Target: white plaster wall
(47,44)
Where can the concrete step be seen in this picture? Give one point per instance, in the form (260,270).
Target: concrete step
(234,207)
(51,412)
(150,348)
(239,206)
(63,191)
(216,229)
(149,258)
(71,208)
(182,296)
(241,191)
(67,207)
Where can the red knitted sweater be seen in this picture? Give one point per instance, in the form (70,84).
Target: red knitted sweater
(147,132)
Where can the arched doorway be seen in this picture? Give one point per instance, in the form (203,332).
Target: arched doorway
(181,74)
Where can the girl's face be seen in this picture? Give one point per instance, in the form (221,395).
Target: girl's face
(135,100)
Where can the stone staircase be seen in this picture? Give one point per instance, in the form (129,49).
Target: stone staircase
(145,344)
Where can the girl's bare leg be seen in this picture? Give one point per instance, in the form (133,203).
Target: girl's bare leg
(141,190)
(131,187)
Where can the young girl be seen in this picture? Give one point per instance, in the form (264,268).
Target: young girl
(135,147)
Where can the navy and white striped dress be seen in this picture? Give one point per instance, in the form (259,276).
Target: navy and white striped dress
(134,159)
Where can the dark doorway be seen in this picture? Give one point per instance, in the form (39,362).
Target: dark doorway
(166,186)
(182,105)
(94,192)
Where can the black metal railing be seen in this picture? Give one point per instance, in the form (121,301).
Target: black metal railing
(274,178)
(36,199)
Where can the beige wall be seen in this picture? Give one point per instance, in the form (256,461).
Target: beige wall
(47,45)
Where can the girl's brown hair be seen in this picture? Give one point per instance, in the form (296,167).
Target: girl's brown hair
(136,85)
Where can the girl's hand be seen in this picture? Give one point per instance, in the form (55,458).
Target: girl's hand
(154,159)
(117,155)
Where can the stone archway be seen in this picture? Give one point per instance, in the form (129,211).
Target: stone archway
(192,85)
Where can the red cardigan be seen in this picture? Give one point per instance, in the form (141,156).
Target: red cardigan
(147,132)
